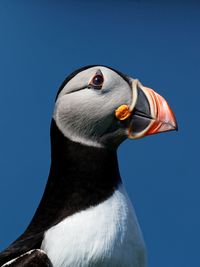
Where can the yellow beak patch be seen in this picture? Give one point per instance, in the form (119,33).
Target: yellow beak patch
(123,112)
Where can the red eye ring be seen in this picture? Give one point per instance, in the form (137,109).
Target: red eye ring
(97,80)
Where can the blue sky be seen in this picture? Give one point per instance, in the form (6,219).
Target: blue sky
(155,41)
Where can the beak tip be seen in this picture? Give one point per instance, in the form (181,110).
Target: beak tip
(175,124)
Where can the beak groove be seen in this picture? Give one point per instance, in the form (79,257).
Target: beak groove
(164,119)
(151,114)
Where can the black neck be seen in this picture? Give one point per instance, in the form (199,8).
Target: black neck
(80,177)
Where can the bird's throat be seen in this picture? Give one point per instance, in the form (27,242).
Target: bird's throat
(80,177)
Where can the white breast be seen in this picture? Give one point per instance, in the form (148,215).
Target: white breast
(107,235)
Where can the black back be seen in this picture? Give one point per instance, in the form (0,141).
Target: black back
(36,258)
(80,176)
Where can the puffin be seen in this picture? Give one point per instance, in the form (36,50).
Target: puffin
(85,217)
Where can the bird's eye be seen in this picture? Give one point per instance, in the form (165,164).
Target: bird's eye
(97,80)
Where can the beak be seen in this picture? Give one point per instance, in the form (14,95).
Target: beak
(150,113)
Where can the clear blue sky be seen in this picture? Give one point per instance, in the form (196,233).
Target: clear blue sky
(156,41)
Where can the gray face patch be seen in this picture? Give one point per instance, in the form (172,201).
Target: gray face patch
(86,114)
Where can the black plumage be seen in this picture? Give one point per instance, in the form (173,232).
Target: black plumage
(80,176)
(35,258)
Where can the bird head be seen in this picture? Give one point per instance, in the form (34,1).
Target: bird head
(99,106)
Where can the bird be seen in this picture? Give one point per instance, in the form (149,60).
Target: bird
(85,217)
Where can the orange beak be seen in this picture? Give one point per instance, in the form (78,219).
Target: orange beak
(151,114)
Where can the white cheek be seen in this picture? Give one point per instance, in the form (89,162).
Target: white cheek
(86,114)
(77,116)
